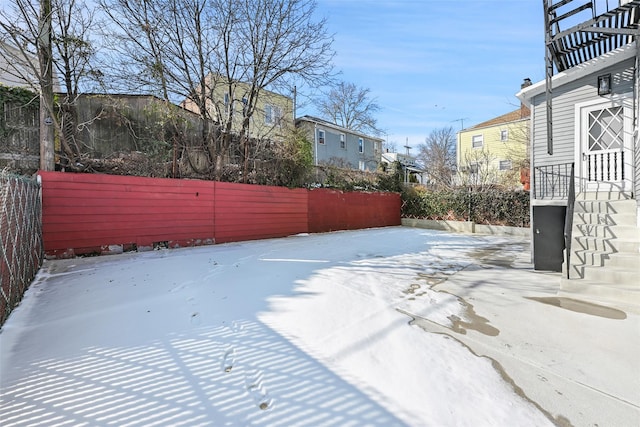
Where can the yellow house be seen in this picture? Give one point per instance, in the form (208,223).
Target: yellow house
(272,114)
(494,152)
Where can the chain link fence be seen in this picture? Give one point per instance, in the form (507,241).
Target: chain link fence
(489,206)
(21,250)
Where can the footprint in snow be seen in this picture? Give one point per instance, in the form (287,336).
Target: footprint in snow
(255,386)
(178,288)
(229,359)
(237,327)
(195,318)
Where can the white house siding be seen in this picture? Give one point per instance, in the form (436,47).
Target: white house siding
(565,98)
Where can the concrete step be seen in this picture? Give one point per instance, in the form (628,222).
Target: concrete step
(609,245)
(601,259)
(605,250)
(596,258)
(625,297)
(604,219)
(629,232)
(624,260)
(609,275)
(623,207)
(603,195)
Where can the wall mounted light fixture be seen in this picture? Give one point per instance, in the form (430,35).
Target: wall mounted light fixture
(604,84)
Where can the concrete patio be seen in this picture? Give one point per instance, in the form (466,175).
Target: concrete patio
(389,326)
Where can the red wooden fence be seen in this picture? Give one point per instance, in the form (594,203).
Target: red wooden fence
(89,213)
(248,212)
(331,210)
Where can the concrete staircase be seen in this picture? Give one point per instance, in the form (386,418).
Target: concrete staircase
(605,249)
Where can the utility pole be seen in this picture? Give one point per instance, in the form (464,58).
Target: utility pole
(295,102)
(461,122)
(404,163)
(45,59)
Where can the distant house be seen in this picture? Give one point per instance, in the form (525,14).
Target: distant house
(15,69)
(585,151)
(19,122)
(494,151)
(273,114)
(411,171)
(335,145)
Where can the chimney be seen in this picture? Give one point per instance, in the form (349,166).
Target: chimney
(524,111)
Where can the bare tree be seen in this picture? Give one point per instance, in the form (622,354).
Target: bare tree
(478,169)
(39,43)
(438,156)
(276,42)
(74,53)
(191,50)
(390,146)
(351,107)
(518,153)
(167,48)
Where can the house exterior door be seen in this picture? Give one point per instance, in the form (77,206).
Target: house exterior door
(604,153)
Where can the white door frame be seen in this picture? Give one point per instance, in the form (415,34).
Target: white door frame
(581,149)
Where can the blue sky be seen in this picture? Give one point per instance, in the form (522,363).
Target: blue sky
(436,63)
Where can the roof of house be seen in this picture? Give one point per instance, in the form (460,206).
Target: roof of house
(512,116)
(316,120)
(404,159)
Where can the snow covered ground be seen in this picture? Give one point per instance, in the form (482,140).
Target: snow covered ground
(379,327)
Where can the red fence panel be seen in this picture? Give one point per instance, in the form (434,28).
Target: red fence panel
(89,212)
(249,212)
(336,210)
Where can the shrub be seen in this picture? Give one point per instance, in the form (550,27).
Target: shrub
(492,206)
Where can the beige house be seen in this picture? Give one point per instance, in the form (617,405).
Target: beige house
(272,116)
(494,151)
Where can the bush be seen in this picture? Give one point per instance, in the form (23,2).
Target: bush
(493,206)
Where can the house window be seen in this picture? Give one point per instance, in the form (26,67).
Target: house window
(361,165)
(268,114)
(504,135)
(477,141)
(606,129)
(505,165)
(272,115)
(320,136)
(342,141)
(360,145)
(473,168)
(227,103)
